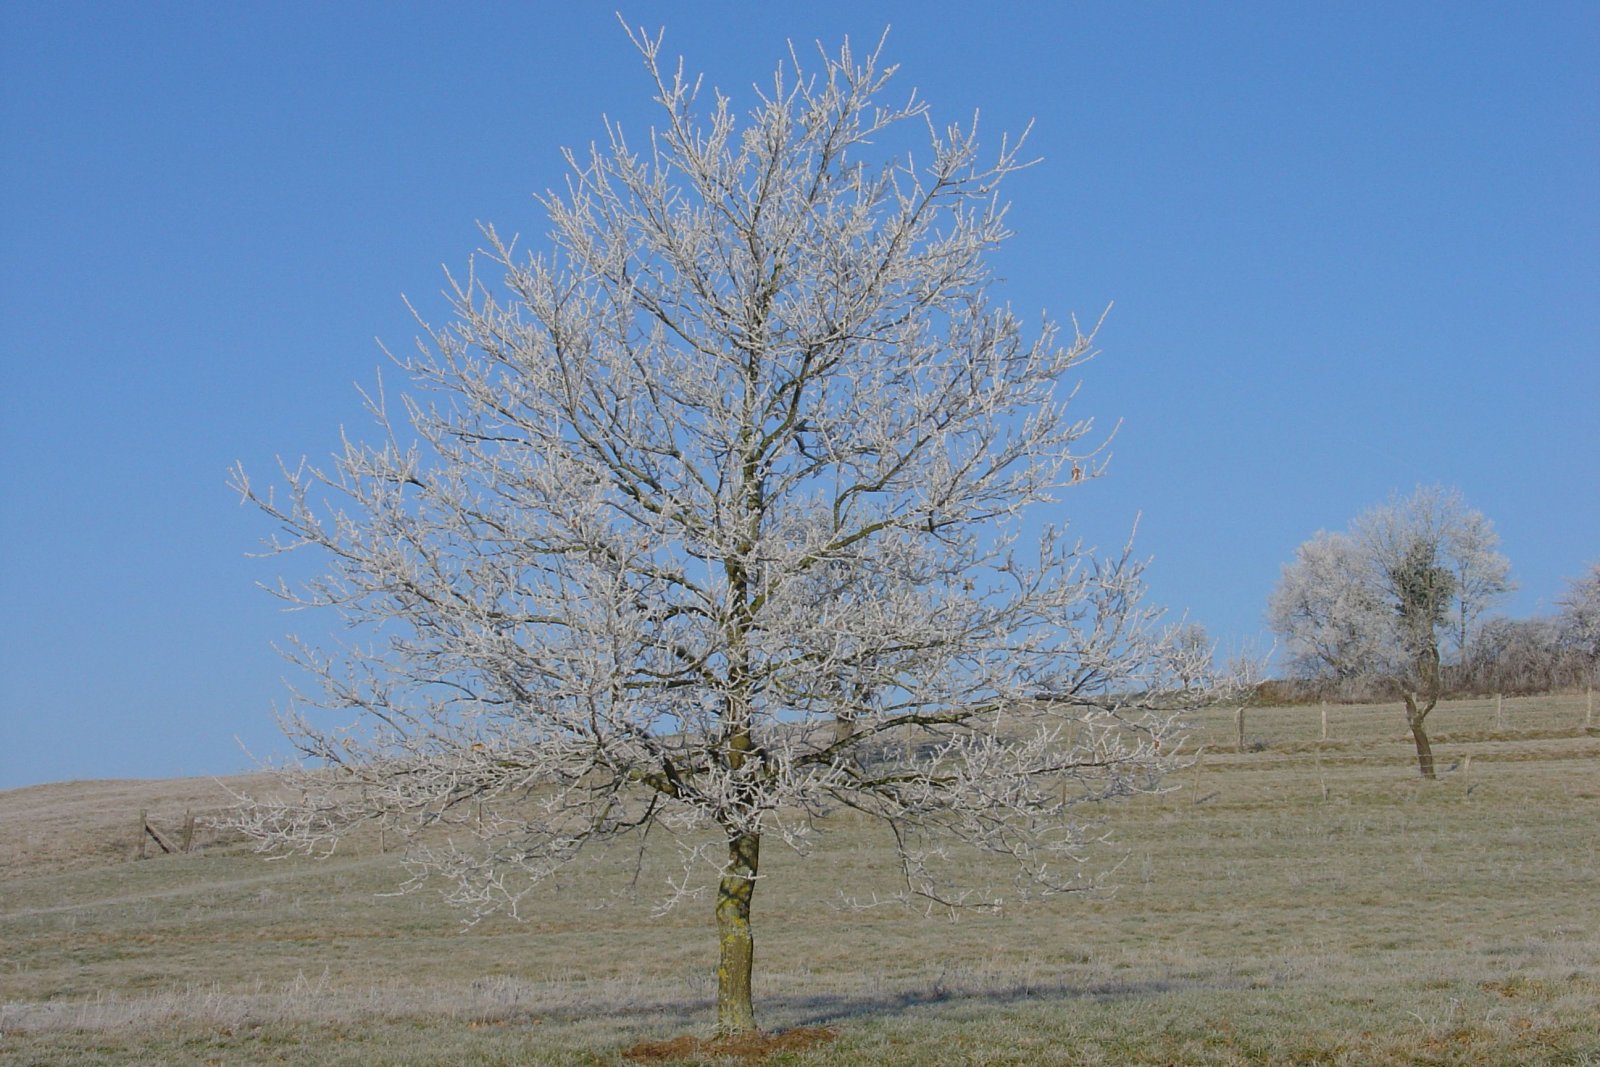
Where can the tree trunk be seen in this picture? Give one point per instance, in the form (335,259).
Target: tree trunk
(1414,717)
(1424,750)
(1418,704)
(735,1012)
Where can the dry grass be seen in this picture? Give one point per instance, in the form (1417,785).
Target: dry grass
(77,825)
(1306,902)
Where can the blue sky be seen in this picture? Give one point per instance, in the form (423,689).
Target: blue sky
(1352,248)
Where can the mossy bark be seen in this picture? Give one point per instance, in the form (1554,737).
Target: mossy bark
(735,1010)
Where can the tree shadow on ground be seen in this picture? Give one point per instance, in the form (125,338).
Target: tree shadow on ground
(806,1020)
(827,1009)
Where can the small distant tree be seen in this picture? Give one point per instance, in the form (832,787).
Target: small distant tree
(1193,652)
(1376,602)
(1519,656)
(708,521)
(1579,620)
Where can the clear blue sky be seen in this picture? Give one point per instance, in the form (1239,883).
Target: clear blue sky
(1353,247)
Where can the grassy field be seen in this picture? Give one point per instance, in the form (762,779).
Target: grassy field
(1300,902)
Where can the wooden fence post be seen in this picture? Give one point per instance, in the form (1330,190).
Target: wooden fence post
(1499,711)
(1238,718)
(187,841)
(150,833)
(1324,722)
(1588,711)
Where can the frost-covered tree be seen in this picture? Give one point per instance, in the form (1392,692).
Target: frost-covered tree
(707,522)
(1377,602)
(1330,620)
(1193,651)
(1481,574)
(1520,656)
(1579,619)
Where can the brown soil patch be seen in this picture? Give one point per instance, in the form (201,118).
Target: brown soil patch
(1515,986)
(753,1047)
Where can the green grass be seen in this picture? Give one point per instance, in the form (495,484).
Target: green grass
(1307,902)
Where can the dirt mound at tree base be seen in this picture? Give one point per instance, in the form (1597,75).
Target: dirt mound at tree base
(753,1047)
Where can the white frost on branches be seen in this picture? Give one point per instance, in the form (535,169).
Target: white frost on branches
(1328,616)
(709,518)
(1367,603)
(1579,618)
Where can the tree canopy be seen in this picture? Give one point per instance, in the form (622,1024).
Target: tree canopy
(726,511)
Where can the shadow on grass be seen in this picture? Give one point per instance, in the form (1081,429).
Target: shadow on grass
(782,1012)
(823,1009)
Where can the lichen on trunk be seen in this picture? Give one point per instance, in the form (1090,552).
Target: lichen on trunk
(735,1010)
